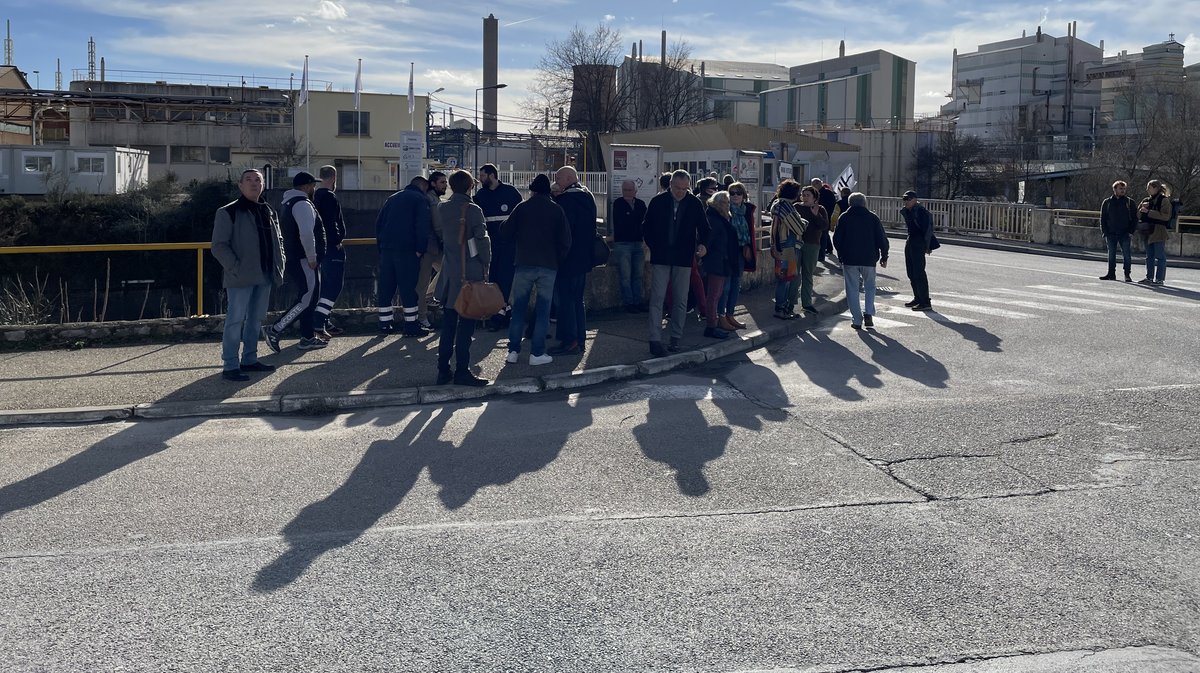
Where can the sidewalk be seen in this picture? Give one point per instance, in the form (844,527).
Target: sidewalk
(356,370)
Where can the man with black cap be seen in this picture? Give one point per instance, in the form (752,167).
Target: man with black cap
(497,200)
(539,229)
(920,240)
(304,247)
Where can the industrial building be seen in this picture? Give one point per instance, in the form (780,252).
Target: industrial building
(33,170)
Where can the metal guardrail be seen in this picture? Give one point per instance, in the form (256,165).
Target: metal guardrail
(1091,218)
(198,246)
(1001,220)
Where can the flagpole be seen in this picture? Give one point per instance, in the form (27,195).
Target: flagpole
(411,123)
(358,109)
(307,119)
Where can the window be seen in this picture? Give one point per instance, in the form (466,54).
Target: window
(187,154)
(38,163)
(348,121)
(158,153)
(89,163)
(3,163)
(218,155)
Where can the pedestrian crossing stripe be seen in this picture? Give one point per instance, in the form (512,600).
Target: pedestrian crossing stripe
(1074,310)
(934,315)
(1110,295)
(1109,304)
(986,310)
(883,323)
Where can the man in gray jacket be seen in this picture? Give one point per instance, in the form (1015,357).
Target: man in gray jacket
(247,242)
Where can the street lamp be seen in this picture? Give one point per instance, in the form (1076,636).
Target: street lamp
(482,88)
(429,115)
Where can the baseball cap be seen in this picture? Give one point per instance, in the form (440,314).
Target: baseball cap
(910,194)
(303,178)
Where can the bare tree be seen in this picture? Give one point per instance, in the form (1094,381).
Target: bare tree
(665,93)
(286,150)
(958,166)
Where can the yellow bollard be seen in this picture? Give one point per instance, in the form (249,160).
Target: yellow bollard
(199,281)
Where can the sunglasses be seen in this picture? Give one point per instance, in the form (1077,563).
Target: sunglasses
(737,193)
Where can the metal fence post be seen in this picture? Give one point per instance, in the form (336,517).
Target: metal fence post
(199,281)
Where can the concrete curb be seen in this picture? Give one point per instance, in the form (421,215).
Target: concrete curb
(315,404)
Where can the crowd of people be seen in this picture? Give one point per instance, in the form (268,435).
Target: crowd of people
(700,240)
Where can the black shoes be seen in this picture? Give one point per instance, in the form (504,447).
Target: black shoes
(912,303)
(810,309)
(657,350)
(412,329)
(923,307)
(234,375)
(258,367)
(1128,278)
(469,379)
(386,328)
(868,321)
(1109,276)
(856,326)
(573,348)
(715,333)
(673,346)
(444,377)
(271,338)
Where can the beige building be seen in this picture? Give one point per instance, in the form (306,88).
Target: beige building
(14,115)
(331,122)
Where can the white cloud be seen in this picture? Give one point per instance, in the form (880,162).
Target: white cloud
(330,11)
(609,17)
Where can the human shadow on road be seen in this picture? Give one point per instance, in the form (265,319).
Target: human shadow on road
(677,434)
(832,366)
(495,451)
(137,441)
(984,340)
(896,358)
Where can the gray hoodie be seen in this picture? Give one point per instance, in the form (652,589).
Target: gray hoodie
(306,219)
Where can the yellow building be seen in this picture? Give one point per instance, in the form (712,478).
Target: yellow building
(331,122)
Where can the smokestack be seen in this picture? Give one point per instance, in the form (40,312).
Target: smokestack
(1101,47)
(101,68)
(491,60)
(641,51)
(842,49)
(1039,34)
(664,47)
(8,43)
(58,74)
(560,117)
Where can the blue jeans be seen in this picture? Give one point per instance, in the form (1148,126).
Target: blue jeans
(629,258)
(247,306)
(1113,242)
(1156,254)
(733,290)
(852,275)
(568,297)
(524,280)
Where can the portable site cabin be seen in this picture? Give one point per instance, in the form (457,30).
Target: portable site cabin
(34,170)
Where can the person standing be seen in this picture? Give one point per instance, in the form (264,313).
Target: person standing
(333,266)
(303,249)
(1155,211)
(625,222)
(743,217)
(431,261)
(787,231)
(861,243)
(462,221)
(721,260)
(1118,218)
(675,229)
(402,233)
(542,235)
(497,201)
(812,241)
(246,241)
(828,201)
(920,238)
(571,280)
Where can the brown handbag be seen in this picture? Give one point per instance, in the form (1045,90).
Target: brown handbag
(477,299)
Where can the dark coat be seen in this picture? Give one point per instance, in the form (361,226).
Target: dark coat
(722,253)
(540,229)
(330,211)
(449,280)
(860,239)
(920,226)
(673,242)
(580,207)
(405,222)
(625,221)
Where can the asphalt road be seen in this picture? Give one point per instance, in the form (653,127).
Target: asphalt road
(1006,485)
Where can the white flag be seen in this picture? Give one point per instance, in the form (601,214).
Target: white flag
(846,179)
(412,103)
(303,97)
(358,85)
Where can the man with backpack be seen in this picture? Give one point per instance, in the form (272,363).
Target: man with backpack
(304,248)
(1118,217)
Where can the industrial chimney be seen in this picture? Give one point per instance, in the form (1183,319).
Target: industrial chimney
(491,60)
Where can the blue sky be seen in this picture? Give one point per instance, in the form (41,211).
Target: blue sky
(269,38)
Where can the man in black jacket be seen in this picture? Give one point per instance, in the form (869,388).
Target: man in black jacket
(674,227)
(539,229)
(1118,217)
(571,280)
(402,233)
(861,243)
(333,266)
(920,238)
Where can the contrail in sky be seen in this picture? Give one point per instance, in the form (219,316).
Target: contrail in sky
(521,21)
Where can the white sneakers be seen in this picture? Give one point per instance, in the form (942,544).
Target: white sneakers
(536,360)
(512,357)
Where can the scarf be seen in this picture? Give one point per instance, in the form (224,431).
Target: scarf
(786,222)
(737,216)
